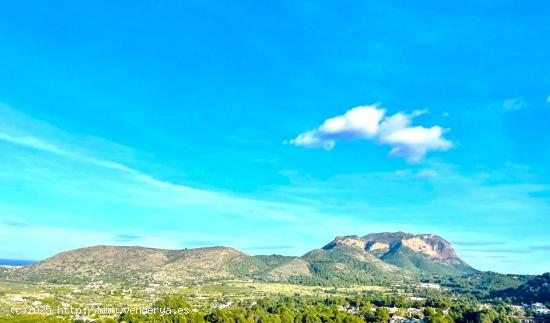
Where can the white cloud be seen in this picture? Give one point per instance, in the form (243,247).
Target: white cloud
(312,139)
(414,143)
(360,122)
(371,123)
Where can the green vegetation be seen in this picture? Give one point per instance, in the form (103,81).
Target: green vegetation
(534,290)
(257,267)
(406,258)
(316,310)
(344,272)
(33,319)
(481,285)
(255,302)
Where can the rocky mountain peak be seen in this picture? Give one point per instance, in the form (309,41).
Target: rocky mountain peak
(378,244)
(428,244)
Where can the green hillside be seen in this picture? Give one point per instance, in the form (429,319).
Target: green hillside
(408,259)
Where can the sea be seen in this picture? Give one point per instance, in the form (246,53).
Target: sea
(16,262)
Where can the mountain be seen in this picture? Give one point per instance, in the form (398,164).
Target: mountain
(371,259)
(140,265)
(423,252)
(426,253)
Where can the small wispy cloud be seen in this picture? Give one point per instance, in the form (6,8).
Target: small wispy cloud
(514,104)
(427,173)
(541,247)
(424,173)
(525,250)
(15,223)
(401,172)
(127,237)
(48,240)
(478,243)
(370,122)
(498,250)
(270,247)
(200,243)
(496,256)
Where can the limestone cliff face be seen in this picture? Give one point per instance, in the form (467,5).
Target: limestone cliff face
(378,244)
(417,252)
(377,248)
(350,241)
(430,245)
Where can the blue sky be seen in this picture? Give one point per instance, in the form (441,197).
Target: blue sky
(274,126)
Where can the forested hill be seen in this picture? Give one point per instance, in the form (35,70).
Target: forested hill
(534,290)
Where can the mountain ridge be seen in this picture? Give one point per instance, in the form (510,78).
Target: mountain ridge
(349,258)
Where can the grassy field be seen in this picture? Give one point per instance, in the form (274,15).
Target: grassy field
(247,290)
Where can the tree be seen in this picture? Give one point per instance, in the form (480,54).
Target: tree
(382,315)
